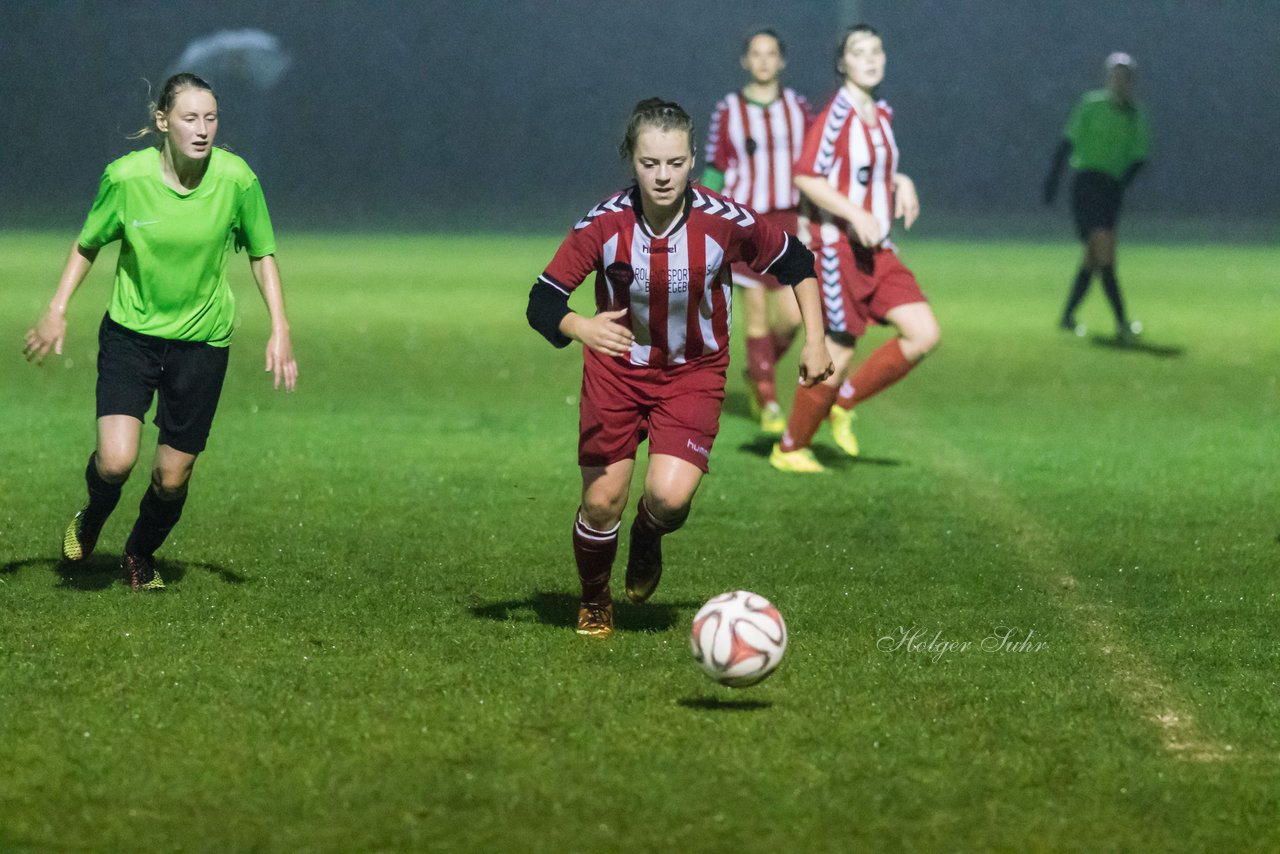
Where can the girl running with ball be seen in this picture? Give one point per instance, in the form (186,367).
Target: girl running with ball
(656,350)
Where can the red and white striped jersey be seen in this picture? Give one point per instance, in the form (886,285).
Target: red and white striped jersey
(676,285)
(857,159)
(755,145)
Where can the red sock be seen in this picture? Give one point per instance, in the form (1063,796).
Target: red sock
(882,369)
(807,414)
(594,551)
(782,339)
(760,368)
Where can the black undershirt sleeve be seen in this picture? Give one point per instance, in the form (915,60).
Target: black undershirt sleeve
(794,265)
(547,307)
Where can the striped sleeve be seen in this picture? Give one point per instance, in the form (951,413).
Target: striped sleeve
(719,149)
(819,154)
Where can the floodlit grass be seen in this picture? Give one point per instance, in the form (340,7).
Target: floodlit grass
(366,643)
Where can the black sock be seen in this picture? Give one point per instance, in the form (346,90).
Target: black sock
(156,518)
(1112,289)
(1078,289)
(103,497)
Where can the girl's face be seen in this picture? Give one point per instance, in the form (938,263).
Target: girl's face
(763,59)
(191,124)
(662,162)
(863,61)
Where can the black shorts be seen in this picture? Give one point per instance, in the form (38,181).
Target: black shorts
(1095,202)
(188,375)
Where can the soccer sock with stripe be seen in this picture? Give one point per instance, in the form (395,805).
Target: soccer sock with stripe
(103,497)
(1078,289)
(761,359)
(845,398)
(884,367)
(809,410)
(594,552)
(156,518)
(1112,289)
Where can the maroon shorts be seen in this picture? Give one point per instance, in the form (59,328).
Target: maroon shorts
(677,408)
(744,276)
(860,290)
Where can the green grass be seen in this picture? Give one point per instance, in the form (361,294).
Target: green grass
(366,643)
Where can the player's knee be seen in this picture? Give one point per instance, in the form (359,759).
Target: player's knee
(602,510)
(170,482)
(115,466)
(668,508)
(925,340)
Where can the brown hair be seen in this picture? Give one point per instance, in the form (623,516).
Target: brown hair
(844,40)
(654,112)
(175,85)
(766,31)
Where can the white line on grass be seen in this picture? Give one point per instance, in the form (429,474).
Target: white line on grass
(1132,675)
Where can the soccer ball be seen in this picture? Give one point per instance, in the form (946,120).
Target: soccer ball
(738,638)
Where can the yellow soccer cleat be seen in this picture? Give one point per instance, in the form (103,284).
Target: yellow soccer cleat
(595,619)
(772,420)
(73,548)
(799,461)
(141,571)
(842,429)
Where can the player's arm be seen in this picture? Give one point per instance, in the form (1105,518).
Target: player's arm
(280,359)
(719,149)
(906,203)
(794,267)
(548,310)
(50,330)
(549,314)
(1056,165)
(865,229)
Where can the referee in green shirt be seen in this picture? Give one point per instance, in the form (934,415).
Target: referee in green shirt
(1106,141)
(176,209)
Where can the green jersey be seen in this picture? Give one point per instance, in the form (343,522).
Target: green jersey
(1106,137)
(171,280)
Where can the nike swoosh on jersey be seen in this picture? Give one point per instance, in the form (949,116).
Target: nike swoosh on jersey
(139,224)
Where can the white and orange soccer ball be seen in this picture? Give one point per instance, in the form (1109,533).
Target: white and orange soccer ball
(738,638)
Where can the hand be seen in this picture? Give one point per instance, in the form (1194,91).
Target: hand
(280,360)
(906,204)
(603,334)
(865,229)
(47,333)
(815,363)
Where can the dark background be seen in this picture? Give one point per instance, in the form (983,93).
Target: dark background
(504,116)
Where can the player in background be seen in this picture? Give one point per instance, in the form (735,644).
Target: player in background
(1106,141)
(755,137)
(656,350)
(176,208)
(848,174)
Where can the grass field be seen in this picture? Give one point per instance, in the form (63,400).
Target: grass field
(366,643)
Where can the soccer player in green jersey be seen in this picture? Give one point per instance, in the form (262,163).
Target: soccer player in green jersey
(1106,141)
(176,208)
